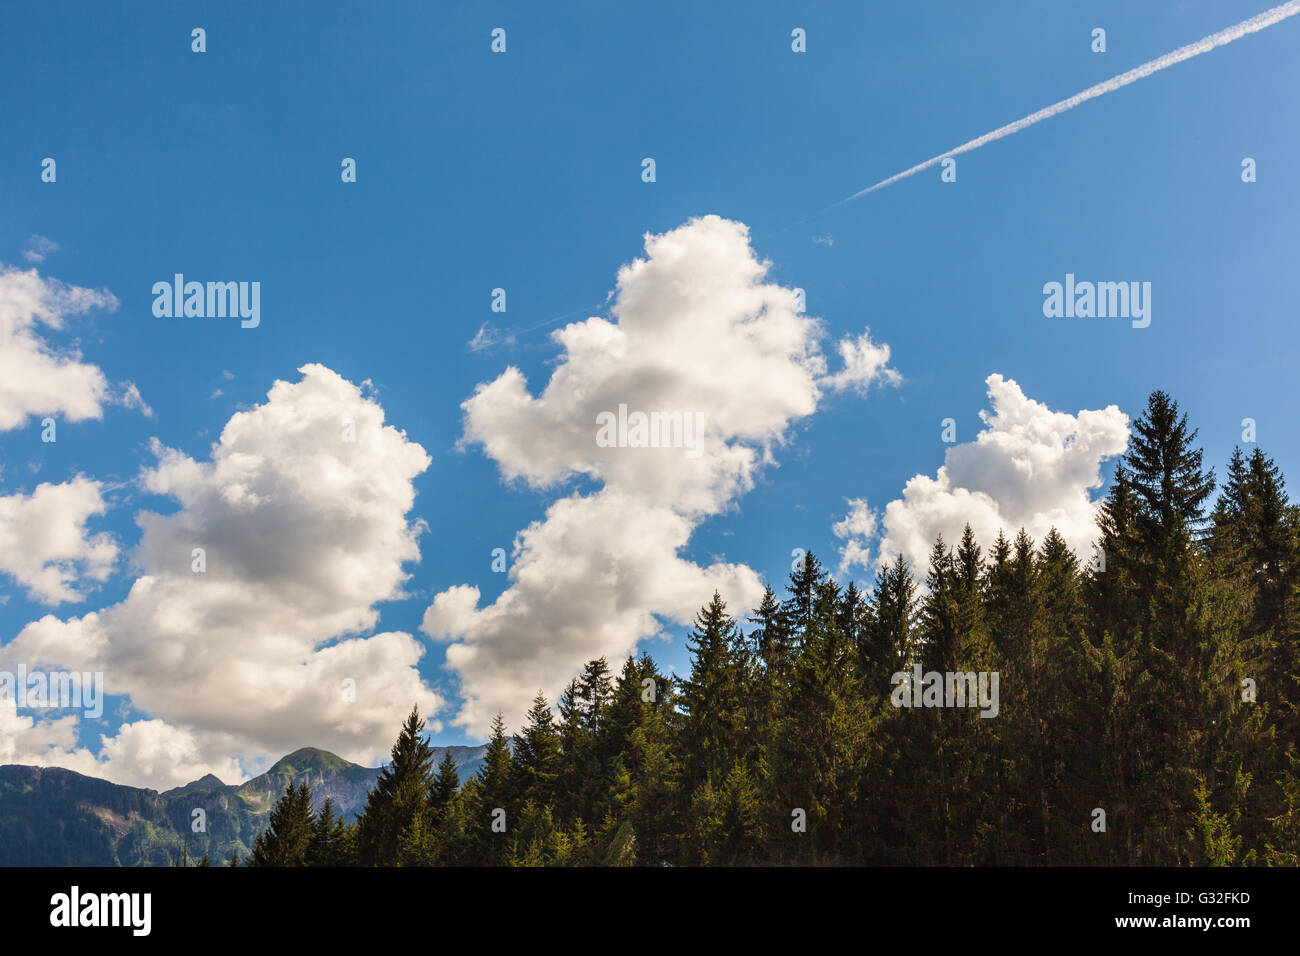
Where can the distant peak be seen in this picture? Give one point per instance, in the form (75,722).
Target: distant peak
(209,781)
(310,753)
(309,758)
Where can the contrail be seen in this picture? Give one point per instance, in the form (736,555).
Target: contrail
(1253,25)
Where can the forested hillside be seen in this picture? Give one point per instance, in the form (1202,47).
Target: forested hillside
(55,817)
(1148,712)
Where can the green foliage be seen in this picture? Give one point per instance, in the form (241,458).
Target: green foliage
(400,797)
(288,840)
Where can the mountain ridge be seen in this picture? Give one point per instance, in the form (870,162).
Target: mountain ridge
(52,816)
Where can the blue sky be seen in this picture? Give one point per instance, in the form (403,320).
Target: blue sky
(523,171)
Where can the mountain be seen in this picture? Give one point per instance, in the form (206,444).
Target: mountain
(55,817)
(325,773)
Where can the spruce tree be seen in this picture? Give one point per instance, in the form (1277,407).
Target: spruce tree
(1119,568)
(892,645)
(444,787)
(1166,472)
(939,610)
(287,839)
(806,576)
(400,794)
(711,696)
(495,797)
(321,851)
(536,763)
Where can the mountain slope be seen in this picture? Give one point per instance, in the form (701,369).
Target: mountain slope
(55,817)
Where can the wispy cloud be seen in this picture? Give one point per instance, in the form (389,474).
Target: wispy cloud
(38,247)
(1256,23)
(487,337)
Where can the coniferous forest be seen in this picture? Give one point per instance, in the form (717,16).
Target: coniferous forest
(1149,712)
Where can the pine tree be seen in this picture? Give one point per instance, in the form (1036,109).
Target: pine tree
(805,578)
(417,844)
(319,852)
(1166,472)
(822,736)
(770,656)
(939,610)
(892,645)
(401,794)
(1116,576)
(331,838)
(595,689)
(728,818)
(639,692)
(711,696)
(770,636)
(287,839)
(577,755)
(443,789)
(1055,661)
(657,807)
(1256,535)
(536,763)
(495,796)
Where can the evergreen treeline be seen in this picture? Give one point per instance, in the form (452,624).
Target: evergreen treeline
(1158,683)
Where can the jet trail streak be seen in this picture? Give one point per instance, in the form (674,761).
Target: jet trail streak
(1253,25)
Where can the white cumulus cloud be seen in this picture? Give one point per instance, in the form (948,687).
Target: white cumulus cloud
(301,514)
(36,378)
(695,330)
(856,529)
(1028,467)
(143,753)
(44,545)
(865,363)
